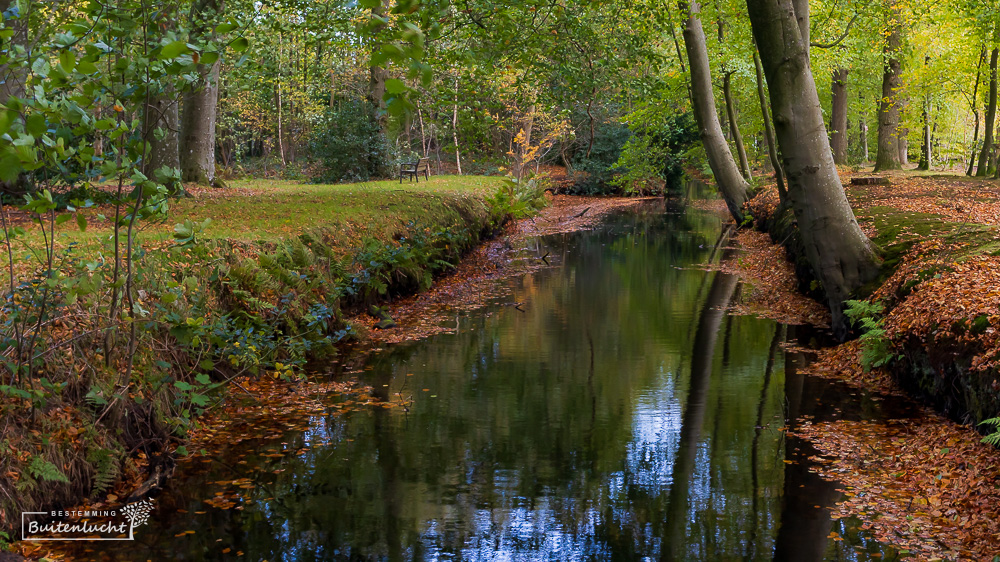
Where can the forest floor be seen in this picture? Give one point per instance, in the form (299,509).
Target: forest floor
(926,485)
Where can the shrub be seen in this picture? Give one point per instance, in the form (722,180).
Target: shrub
(350,145)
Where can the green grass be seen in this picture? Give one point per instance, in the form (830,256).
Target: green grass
(271,210)
(283,208)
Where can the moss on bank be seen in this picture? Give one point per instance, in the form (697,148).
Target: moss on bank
(254,293)
(939,332)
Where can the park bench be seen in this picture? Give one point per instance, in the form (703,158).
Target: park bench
(414,169)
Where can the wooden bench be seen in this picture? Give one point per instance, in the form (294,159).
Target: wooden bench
(414,169)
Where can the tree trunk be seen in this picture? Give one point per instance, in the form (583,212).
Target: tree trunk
(12,80)
(423,135)
(840,254)
(863,128)
(12,77)
(281,142)
(377,75)
(197,158)
(887,156)
(731,184)
(975,111)
(772,149)
(991,115)
(734,128)
(454,130)
(925,147)
(838,116)
(164,151)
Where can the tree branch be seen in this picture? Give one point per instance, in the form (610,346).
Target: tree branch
(839,39)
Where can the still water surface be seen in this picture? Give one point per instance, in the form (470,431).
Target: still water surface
(617,414)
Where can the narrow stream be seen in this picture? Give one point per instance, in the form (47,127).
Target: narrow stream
(617,414)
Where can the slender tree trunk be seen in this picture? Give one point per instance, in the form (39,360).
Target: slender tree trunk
(841,256)
(377,75)
(423,135)
(281,132)
(727,176)
(863,131)
(887,156)
(991,115)
(12,77)
(734,128)
(903,144)
(772,149)
(12,80)
(838,116)
(975,110)
(925,145)
(925,148)
(197,157)
(454,130)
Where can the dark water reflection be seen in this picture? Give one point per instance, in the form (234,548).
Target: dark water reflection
(621,415)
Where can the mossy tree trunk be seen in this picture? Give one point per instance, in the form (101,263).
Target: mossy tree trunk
(991,115)
(840,254)
(887,155)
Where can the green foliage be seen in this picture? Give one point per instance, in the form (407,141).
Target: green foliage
(519,199)
(652,159)
(876,350)
(106,470)
(596,170)
(992,438)
(41,469)
(351,146)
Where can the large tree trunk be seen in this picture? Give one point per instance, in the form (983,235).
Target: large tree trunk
(731,184)
(840,254)
(163,150)
(734,128)
(772,149)
(838,116)
(991,115)
(197,157)
(887,156)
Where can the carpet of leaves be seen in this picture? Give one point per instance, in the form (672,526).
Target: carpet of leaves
(925,485)
(770,287)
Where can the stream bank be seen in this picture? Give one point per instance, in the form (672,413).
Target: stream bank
(925,483)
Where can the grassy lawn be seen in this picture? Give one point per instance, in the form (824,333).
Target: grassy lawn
(264,210)
(269,210)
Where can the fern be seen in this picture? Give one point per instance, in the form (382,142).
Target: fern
(993,438)
(41,469)
(876,349)
(105,469)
